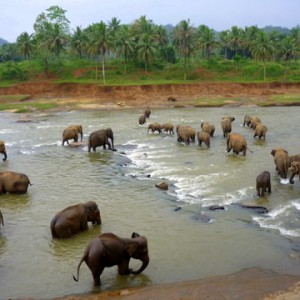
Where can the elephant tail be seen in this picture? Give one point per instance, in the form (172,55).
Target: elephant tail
(82,259)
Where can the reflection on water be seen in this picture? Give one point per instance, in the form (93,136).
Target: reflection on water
(183,232)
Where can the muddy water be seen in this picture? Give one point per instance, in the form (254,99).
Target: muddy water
(186,239)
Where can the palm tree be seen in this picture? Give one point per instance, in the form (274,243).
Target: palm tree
(147,47)
(124,44)
(224,41)
(206,40)
(78,42)
(25,44)
(289,50)
(184,40)
(262,48)
(235,39)
(99,44)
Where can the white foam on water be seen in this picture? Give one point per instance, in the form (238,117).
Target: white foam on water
(284,181)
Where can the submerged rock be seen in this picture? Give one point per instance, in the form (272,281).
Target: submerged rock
(163,185)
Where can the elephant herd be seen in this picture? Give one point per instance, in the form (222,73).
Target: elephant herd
(105,250)
(236,143)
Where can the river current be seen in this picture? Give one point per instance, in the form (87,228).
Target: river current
(186,239)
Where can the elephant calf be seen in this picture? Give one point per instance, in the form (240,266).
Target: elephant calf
(13,182)
(263,183)
(168,127)
(3,150)
(295,169)
(72,132)
(209,128)
(74,219)
(203,137)
(109,250)
(260,131)
(154,127)
(226,125)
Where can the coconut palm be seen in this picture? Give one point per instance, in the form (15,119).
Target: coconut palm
(184,36)
(78,42)
(262,48)
(288,50)
(25,44)
(206,40)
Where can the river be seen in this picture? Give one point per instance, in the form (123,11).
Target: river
(186,239)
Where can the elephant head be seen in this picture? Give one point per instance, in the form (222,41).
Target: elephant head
(92,212)
(3,150)
(295,169)
(137,248)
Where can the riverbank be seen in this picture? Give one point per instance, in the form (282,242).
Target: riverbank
(247,284)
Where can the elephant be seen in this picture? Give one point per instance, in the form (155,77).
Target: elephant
(168,127)
(74,219)
(154,127)
(186,134)
(3,150)
(281,160)
(295,170)
(72,132)
(263,183)
(13,182)
(247,120)
(109,250)
(1,219)
(142,119)
(226,125)
(260,131)
(237,143)
(203,137)
(209,128)
(100,138)
(254,121)
(147,112)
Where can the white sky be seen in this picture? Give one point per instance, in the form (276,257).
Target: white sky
(17,16)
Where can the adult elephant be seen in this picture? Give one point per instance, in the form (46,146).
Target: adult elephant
(226,125)
(72,132)
(13,182)
(281,160)
(263,183)
(109,250)
(142,119)
(3,150)
(204,137)
(209,128)
(295,170)
(184,134)
(74,219)
(260,131)
(154,127)
(100,138)
(237,143)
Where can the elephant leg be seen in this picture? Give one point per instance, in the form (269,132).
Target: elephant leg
(124,268)
(291,178)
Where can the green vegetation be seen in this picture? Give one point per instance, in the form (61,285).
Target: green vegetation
(146,53)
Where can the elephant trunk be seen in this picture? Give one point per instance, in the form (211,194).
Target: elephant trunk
(5,155)
(142,268)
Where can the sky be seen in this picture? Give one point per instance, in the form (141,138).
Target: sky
(18,16)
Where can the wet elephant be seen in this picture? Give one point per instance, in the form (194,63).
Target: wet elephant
(168,127)
(142,119)
(3,150)
(147,112)
(295,170)
(226,124)
(204,137)
(101,138)
(260,131)
(72,132)
(254,121)
(247,121)
(74,219)
(237,143)
(281,160)
(209,128)
(154,127)
(109,250)
(185,134)
(263,183)
(13,182)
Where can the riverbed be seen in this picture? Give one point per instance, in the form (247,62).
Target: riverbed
(186,239)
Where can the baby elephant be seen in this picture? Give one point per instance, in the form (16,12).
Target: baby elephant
(74,219)
(109,250)
(263,183)
(204,137)
(3,150)
(295,169)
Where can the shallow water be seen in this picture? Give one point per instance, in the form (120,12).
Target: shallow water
(186,239)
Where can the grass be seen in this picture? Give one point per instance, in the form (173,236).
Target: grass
(27,107)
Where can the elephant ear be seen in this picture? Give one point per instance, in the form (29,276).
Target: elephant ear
(131,247)
(134,235)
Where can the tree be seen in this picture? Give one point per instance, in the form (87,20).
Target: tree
(184,41)
(288,50)
(78,42)
(124,44)
(25,44)
(262,48)
(235,39)
(206,40)
(99,44)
